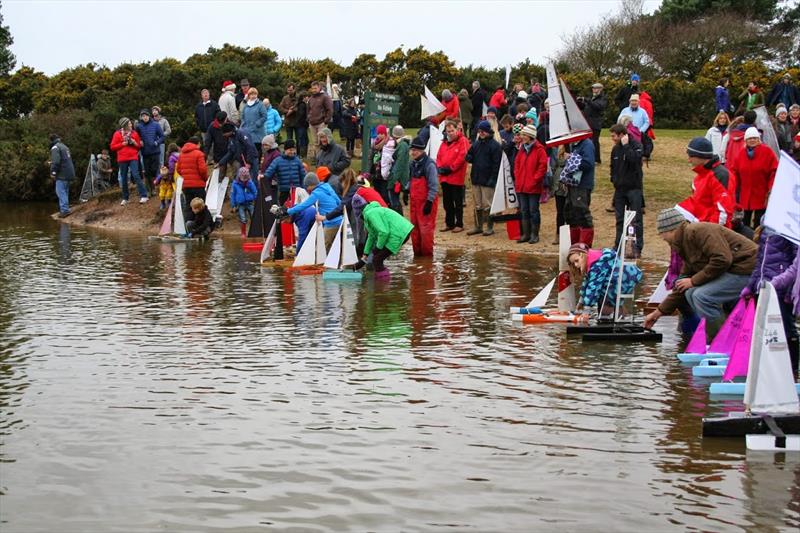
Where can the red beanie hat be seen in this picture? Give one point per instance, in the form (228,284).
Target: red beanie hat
(381,129)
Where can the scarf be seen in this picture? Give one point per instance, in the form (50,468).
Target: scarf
(722,128)
(751,152)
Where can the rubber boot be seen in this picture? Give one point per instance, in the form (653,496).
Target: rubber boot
(587,236)
(489,224)
(534,234)
(478,223)
(574,234)
(525,225)
(243,229)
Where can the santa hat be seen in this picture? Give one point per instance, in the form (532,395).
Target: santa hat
(228,85)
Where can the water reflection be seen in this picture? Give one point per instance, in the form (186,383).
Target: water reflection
(182,387)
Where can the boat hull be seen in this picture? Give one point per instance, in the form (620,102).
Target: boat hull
(694,358)
(732,389)
(710,367)
(741,426)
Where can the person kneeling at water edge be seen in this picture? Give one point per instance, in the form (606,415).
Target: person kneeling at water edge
(202,224)
(387,231)
(594,268)
(717,263)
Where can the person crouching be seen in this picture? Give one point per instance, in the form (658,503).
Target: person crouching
(387,231)
(202,223)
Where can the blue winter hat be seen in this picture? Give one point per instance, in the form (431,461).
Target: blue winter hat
(484,125)
(635,77)
(700,147)
(492,109)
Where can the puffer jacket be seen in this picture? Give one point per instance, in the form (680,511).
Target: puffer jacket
(452,156)
(788,283)
(775,255)
(192,166)
(530,167)
(708,251)
(243,192)
(289,172)
(485,156)
(152,137)
(327,200)
(253,118)
(273,124)
(386,228)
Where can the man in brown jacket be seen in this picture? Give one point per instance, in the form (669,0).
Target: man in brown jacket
(717,264)
(320,113)
(288,108)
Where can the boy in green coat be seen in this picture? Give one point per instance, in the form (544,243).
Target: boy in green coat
(387,231)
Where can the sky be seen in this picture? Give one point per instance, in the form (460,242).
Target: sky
(52,35)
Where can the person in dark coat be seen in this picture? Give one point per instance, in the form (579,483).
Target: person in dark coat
(479,97)
(623,97)
(330,154)
(593,109)
(205,111)
(62,170)
(485,155)
(626,175)
(349,123)
(214,142)
(152,138)
(784,92)
(240,149)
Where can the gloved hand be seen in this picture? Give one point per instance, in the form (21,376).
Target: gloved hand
(279,211)
(445,171)
(405,198)
(427,208)
(359,265)
(746,293)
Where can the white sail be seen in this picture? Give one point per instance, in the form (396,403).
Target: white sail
(223,188)
(558,113)
(439,106)
(428,109)
(661,291)
(540,300)
(269,242)
(349,253)
(784,202)
(566,290)
(434,142)
(308,252)
(179,224)
(769,387)
(484,110)
(321,252)
(212,191)
(508,75)
(505,195)
(328,85)
(333,260)
(567,123)
(577,122)
(764,124)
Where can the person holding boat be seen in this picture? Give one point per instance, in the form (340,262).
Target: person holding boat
(387,232)
(597,273)
(717,263)
(328,200)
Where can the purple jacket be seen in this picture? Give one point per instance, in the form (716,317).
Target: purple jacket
(775,255)
(789,282)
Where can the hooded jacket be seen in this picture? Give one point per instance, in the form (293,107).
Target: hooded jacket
(452,155)
(61,166)
(753,177)
(386,228)
(192,166)
(327,200)
(710,201)
(273,124)
(424,168)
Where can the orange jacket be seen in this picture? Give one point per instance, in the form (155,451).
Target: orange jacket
(192,166)
(452,111)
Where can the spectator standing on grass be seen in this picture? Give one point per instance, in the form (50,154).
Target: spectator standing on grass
(349,129)
(722,98)
(205,111)
(227,102)
(594,108)
(784,92)
(626,91)
(750,98)
(254,116)
(626,175)
(753,171)
(244,88)
(301,126)
(320,113)
(783,129)
(465,109)
(717,134)
(485,156)
(288,108)
(165,128)
(274,123)
(330,154)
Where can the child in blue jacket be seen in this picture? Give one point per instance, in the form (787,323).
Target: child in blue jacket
(243,196)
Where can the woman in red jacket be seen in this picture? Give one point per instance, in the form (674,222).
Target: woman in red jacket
(530,168)
(192,167)
(753,171)
(452,166)
(126,143)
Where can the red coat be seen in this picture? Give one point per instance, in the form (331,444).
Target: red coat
(754,177)
(710,201)
(498,99)
(735,145)
(530,169)
(192,166)
(452,111)
(125,152)
(453,154)
(370,195)
(646,103)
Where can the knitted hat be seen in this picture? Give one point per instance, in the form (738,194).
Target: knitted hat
(781,109)
(289,143)
(751,133)
(531,114)
(529,130)
(579,247)
(635,77)
(700,147)
(311,180)
(398,132)
(669,219)
(492,109)
(522,94)
(268,142)
(323,173)
(418,143)
(326,132)
(516,129)
(123,121)
(243,174)
(484,125)
(145,112)
(381,129)
(794,106)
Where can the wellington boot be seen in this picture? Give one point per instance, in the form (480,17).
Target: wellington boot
(478,223)
(525,226)
(489,224)
(587,236)
(243,229)
(534,234)
(574,234)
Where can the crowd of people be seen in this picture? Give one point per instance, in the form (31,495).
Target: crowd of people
(241,135)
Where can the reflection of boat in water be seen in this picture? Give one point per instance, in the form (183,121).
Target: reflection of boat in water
(771,419)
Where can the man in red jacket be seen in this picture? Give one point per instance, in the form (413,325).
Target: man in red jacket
(126,143)
(710,201)
(452,166)
(753,171)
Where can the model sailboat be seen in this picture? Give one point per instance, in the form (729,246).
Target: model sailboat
(505,195)
(313,250)
(342,254)
(435,138)
(567,123)
(269,243)
(430,106)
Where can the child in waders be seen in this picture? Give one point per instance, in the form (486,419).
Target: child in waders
(593,269)
(424,198)
(243,197)
(202,223)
